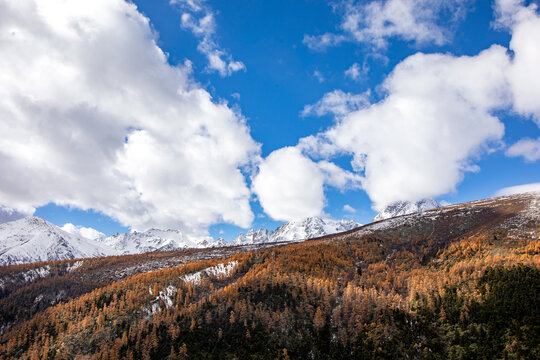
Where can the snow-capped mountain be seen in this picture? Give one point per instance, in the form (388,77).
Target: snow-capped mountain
(406,207)
(153,240)
(254,237)
(308,228)
(33,239)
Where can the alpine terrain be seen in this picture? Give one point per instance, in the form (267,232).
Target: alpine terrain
(456,282)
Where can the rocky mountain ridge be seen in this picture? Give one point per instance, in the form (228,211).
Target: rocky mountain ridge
(400,208)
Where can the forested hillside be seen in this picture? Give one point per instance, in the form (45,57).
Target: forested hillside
(460,282)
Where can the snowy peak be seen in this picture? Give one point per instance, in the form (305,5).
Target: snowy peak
(153,240)
(34,239)
(308,228)
(406,207)
(254,237)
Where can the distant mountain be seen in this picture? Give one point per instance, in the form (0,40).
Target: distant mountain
(254,237)
(308,228)
(33,239)
(406,207)
(156,240)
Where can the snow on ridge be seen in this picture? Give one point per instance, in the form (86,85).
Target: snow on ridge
(406,207)
(308,228)
(220,270)
(74,266)
(34,274)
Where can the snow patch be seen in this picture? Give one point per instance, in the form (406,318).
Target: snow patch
(219,271)
(34,274)
(74,266)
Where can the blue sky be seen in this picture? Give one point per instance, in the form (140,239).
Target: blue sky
(273,65)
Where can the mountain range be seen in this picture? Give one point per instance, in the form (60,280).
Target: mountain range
(308,228)
(34,239)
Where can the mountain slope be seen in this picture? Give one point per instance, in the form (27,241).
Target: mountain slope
(308,228)
(406,207)
(34,239)
(405,287)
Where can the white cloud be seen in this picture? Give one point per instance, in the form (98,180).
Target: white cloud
(348,208)
(524,74)
(518,189)
(289,185)
(93,116)
(200,20)
(528,148)
(85,232)
(508,13)
(322,42)
(357,72)
(418,21)
(337,103)
(339,178)
(420,140)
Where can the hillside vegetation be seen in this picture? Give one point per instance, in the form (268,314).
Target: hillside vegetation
(460,282)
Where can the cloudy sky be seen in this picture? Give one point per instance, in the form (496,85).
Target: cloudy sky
(213,117)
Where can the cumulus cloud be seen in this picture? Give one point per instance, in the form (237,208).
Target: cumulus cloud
(525,45)
(339,178)
(374,22)
(199,18)
(338,103)
(85,232)
(93,116)
(518,189)
(437,116)
(423,136)
(508,13)
(348,208)
(528,148)
(290,186)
